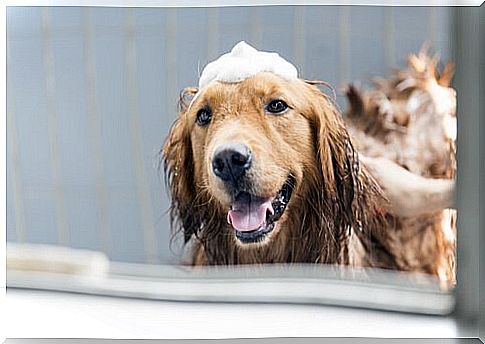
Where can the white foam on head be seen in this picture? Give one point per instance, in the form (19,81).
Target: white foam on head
(243,62)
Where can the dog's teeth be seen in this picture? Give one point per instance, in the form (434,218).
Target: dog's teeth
(228,219)
(271,210)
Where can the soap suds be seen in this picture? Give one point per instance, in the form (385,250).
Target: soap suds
(243,62)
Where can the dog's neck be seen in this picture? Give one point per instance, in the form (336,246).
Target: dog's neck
(307,234)
(313,230)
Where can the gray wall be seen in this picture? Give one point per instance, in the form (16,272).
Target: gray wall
(481,262)
(91,93)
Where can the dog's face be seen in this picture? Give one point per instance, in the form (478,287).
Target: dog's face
(251,150)
(244,136)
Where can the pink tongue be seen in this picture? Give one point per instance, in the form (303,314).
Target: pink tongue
(249,213)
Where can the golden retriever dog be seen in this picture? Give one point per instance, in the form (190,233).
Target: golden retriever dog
(264,171)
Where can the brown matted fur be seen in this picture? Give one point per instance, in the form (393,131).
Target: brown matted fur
(404,118)
(335,215)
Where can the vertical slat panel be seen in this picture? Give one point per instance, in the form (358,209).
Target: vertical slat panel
(344,47)
(212,33)
(233,27)
(256,29)
(143,192)
(433,26)
(77,167)
(154,122)
(410,31)
(95,141)
(299,38)
(115,120)
(16,169)
(50,89)
(192,50)
(170,52)
(366,50)
(278,25)
(322,56)
(389,38)
(443,34)
(27,91)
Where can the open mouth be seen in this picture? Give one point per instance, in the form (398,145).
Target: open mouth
(254,217)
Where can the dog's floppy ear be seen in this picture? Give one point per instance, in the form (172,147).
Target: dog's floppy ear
(337,160)
(186,96)
(179,169)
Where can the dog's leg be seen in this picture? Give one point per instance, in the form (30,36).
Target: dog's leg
(410,194)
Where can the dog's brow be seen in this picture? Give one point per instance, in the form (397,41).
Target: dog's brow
(261,90)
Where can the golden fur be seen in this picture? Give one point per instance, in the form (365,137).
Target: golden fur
(336,213)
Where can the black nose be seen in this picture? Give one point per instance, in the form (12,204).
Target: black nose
(231,161)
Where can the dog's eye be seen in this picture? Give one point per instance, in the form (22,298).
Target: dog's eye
(204,116)
(276,106)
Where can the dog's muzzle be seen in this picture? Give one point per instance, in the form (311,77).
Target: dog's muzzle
(254,217)
(230,162)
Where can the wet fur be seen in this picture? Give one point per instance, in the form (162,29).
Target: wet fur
(336,214)
(382,126)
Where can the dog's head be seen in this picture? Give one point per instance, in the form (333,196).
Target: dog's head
(245,159)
